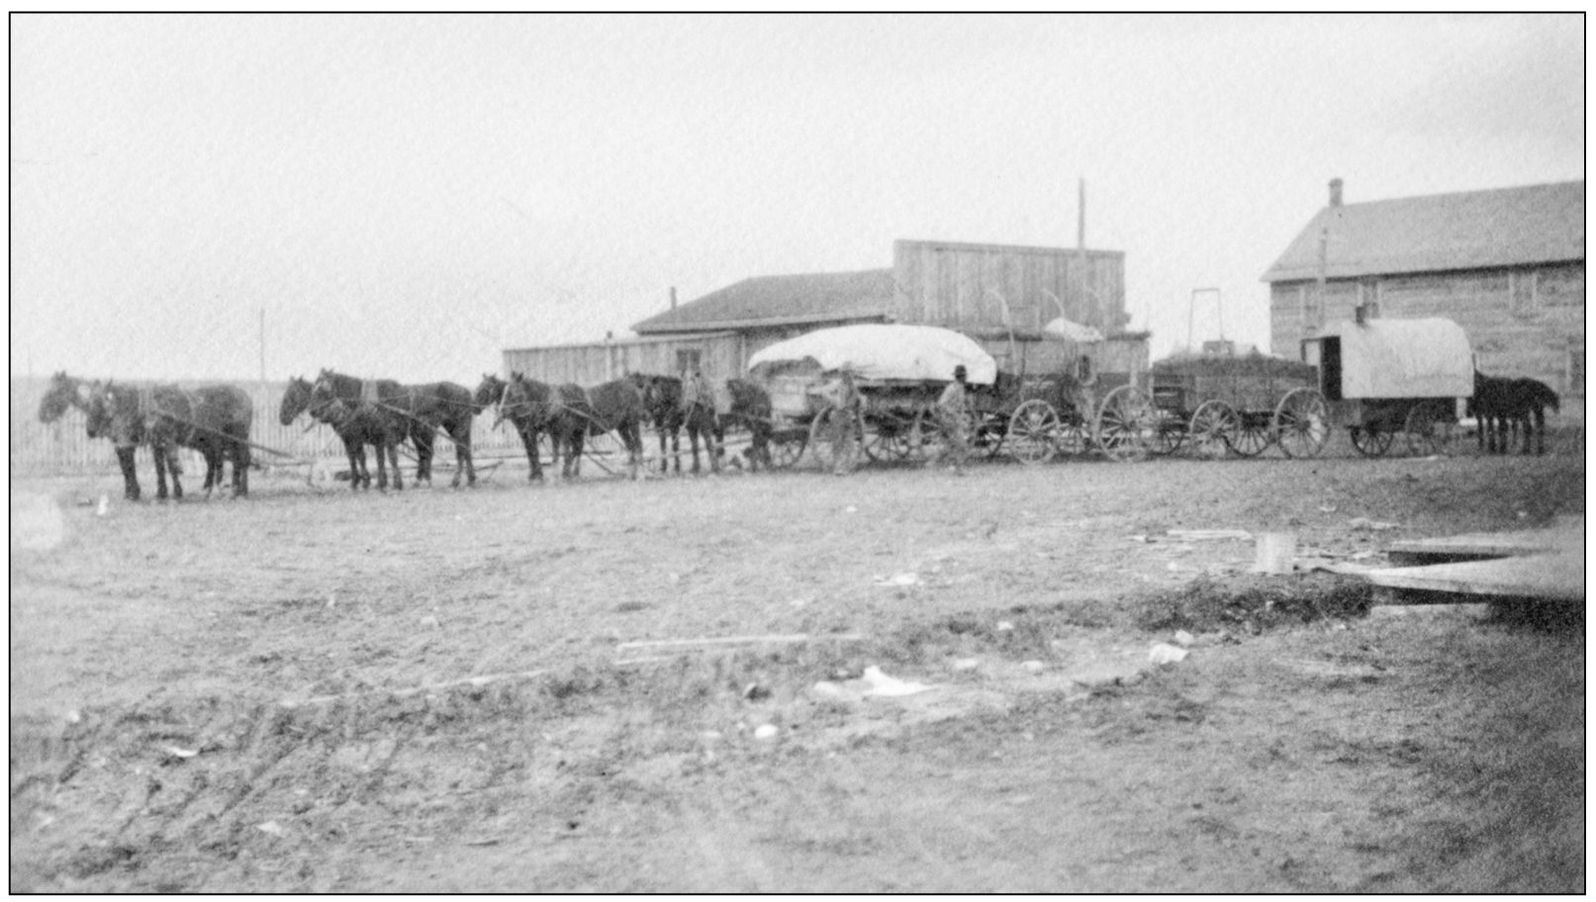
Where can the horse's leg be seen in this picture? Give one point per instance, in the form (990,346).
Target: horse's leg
(393,459)
(664,460)
(130,476)
(573,454)
(462,455)
(356,452)
(241,464)
(534,458)
(1540,430)
(159,452)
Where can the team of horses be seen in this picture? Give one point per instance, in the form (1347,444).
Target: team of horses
(1505,407)
(383,414)
(212,419)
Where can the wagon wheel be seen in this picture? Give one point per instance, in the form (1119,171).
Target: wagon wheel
(823,441)
(1302,423)
(1214,429)
(886,437)
(1253,436)
(1370,442)
(1427,433)
(1127,424)
(1170,434)
(1034,429)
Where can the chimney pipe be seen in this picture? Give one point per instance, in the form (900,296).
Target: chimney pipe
(673,297)
(1335,192)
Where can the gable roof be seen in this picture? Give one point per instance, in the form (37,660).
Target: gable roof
(1466,230)
(782,300)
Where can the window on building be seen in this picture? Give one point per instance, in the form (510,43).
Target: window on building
(687,361)
(1522,302)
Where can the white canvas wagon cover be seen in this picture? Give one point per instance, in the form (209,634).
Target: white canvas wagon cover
(884,352)
(1404,358)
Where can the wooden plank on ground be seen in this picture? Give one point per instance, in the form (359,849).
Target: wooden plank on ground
(1550,576)
(1567,535)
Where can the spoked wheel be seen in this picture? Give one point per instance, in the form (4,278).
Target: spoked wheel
(886,437)
(1170,433)
(1302,423)
(1428,433)
(823,437)
(1214,428)
(1127,424)
(1370,442)
(1033,432)
(1253,436)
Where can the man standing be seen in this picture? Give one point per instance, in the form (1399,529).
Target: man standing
(844,412)
(953,415)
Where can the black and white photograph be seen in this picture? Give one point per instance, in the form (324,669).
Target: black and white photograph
(734,453)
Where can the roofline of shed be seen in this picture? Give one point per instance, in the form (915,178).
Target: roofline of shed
(1332,273)
(722,325)
(638,340)
(1007,248)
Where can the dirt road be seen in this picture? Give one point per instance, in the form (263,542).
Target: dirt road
(171,668)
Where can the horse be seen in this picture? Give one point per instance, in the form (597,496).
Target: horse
(450,407)
(297,399)
(1533,397)
(1502,406)
(365,412)
(615,406)
(66,391)
(670,408)
(750,408)
(533,408)
(213,419)
(662,398)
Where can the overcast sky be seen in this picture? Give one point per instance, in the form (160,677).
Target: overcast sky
(406,196)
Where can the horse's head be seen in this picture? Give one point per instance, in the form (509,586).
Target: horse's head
(489,391)
(296,400)
(62,393)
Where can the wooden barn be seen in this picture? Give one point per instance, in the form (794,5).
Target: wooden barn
(1001,295)
(1508,265)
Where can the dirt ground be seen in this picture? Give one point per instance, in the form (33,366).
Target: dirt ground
(274,695)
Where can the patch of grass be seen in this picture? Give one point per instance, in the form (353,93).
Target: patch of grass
(1252,603)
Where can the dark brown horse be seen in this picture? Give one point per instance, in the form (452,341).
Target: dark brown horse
(212,419)
(440,406)
(534,409)
(1503,407)
(750,409)
(365,412)
(67,392)
(615,406)
(662,398)
(297,399)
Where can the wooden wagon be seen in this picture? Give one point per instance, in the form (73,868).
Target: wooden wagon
(898,372)
(1068,392)
(1217,405)
(1380,378)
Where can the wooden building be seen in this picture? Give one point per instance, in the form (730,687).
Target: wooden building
(1001,295)
(1508,265)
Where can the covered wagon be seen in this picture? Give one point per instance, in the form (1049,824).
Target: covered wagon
(898,370)
(1380,378)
